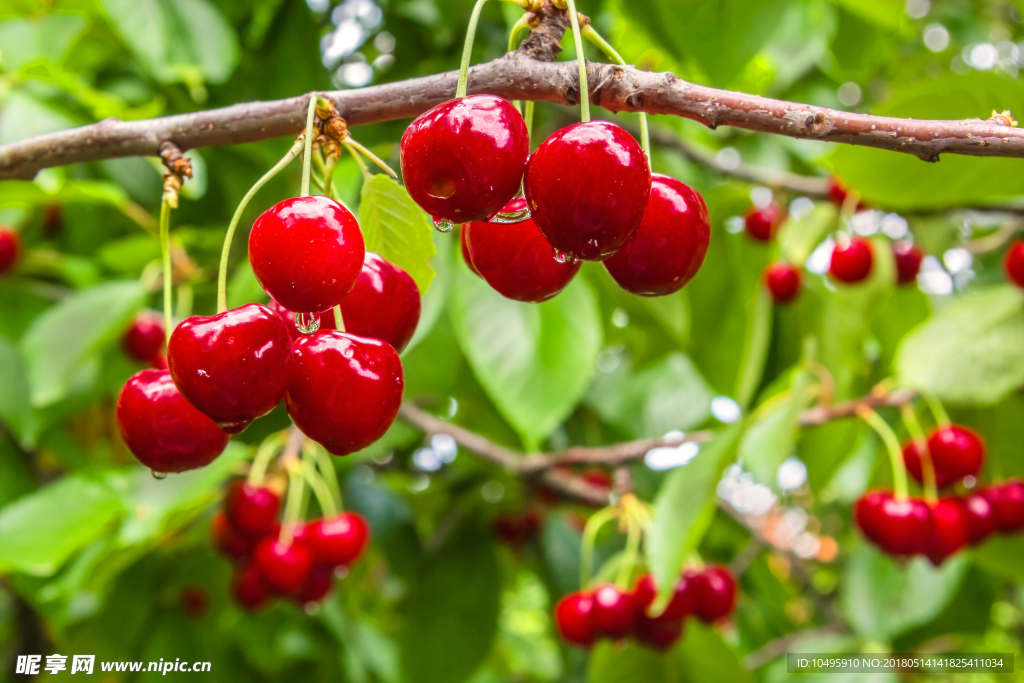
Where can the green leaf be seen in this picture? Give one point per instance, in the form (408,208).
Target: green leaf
(435,298)
(884,598)
(25,116)
(684,508)
(395,228)
(971,351)
(66,337)
(451,614)
(797,238)
(1001,555)
(15,406)
(707,657)
(614,663)
(39,532)
(43,38)
(771,436)
(533,360)
(755,346)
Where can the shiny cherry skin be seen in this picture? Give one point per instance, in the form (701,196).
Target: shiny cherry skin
(318,585)
(464,248)
(682,604)
(658,633)
(980,517)
(144,339)
(574,619)
(344,391)
(288,317)
(956,452)
(908,259)
(284,566)
(783,281)
(231,366)
(714,591)
(587,187)
(614,612)
(897,527)
(851,260)
(669,247)
(1013,264)
(338,541)
(1007,500)
(464,159)
(162,430)
(252,509)
(10,249)
(250,589)
(384,303)
(228,540)
(516,260)
(307,252)
(761,224)
(948,530)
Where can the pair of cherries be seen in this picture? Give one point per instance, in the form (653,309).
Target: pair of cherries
(303,569)
(955,452)
(10,249)
(608,612)
(589,195)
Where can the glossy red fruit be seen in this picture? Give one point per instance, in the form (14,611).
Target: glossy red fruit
(948,529)
(669,247)
(516,260)
(908,259)
(318,585)
(307,252)
(761,224)
(956,452)
(464,248)
(1014,263)
(614,612)
(1007,500)
(783,281)
(714,593)
(344,391)
(228,540)
(464,159)
(231,366)
(682,604)
(251,509)
(384,303)
(144,339)
(337,541)
(250,589)
(897,527)
(587,187)
(10,249)
(836,192)
(659,633)
(980,517)
(851,260)
(573,617)
(284,566)
(162,430)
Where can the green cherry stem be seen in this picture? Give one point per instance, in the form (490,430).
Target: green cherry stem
(330,477)
(264,454)
(307,152)
(581,60)
(359,160)
(631,554)
(892,444)
(597,39)
(225,252)
(165,251)
(316,483)
(371,156)
(594,524)
(938,410)
(513,38)
(931,489)
(467,49)
(293,505)
(528,116)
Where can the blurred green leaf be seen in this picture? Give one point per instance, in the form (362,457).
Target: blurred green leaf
(707,657)
(395,228)
(24,116)
(47,37)
(755,347)
(771,435)
(613,663)
(436,297)
(15,405)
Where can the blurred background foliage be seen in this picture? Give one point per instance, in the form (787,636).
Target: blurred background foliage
(99,558)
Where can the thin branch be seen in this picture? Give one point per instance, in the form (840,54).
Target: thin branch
(782,645)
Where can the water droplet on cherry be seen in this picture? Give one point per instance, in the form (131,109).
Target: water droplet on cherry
(566,257)
(308,323)
(158,475)
(443,225)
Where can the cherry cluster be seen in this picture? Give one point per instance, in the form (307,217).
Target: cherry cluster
(341,388)
(586,193)
(302,569)
(938,529)
(608,612)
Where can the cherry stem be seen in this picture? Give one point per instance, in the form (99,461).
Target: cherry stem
(316,483)
(339,321)
(632,552)
(467,49)
(350,143)
(931,491)
(892,444)
(581,60)
(327,470)
(264,454)
(328,181)
(165,250)
(528,115)
(935,405)
(513,37)
(225,252)
(597,39)
(594,524)
(359,160)
(293,506)
(307,152)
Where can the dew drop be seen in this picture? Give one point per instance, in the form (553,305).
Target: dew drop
(308,323)
(566,257)
(443,225)
(158,475)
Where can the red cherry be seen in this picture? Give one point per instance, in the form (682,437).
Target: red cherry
(250,589)
(464,159)
(956,452)
(306,252)
(659,633)
(714,593)
(384,304)
(669,246)
(162,430)
(464,247)
(783,281)
(980,517)
(948,530)
(337,541)
(10,249)
(144,339)
(284,566)
(851,260)
(1007,500)
(231,366)
(573,617)
(836,192)
(252,509)
(587,186)
(682,604)
(908,261)
(761,224)
(614,612)
(228,540)
(318,585)
(344,391)
(288,317)
(897,527)
(516,260)
(1013,264)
